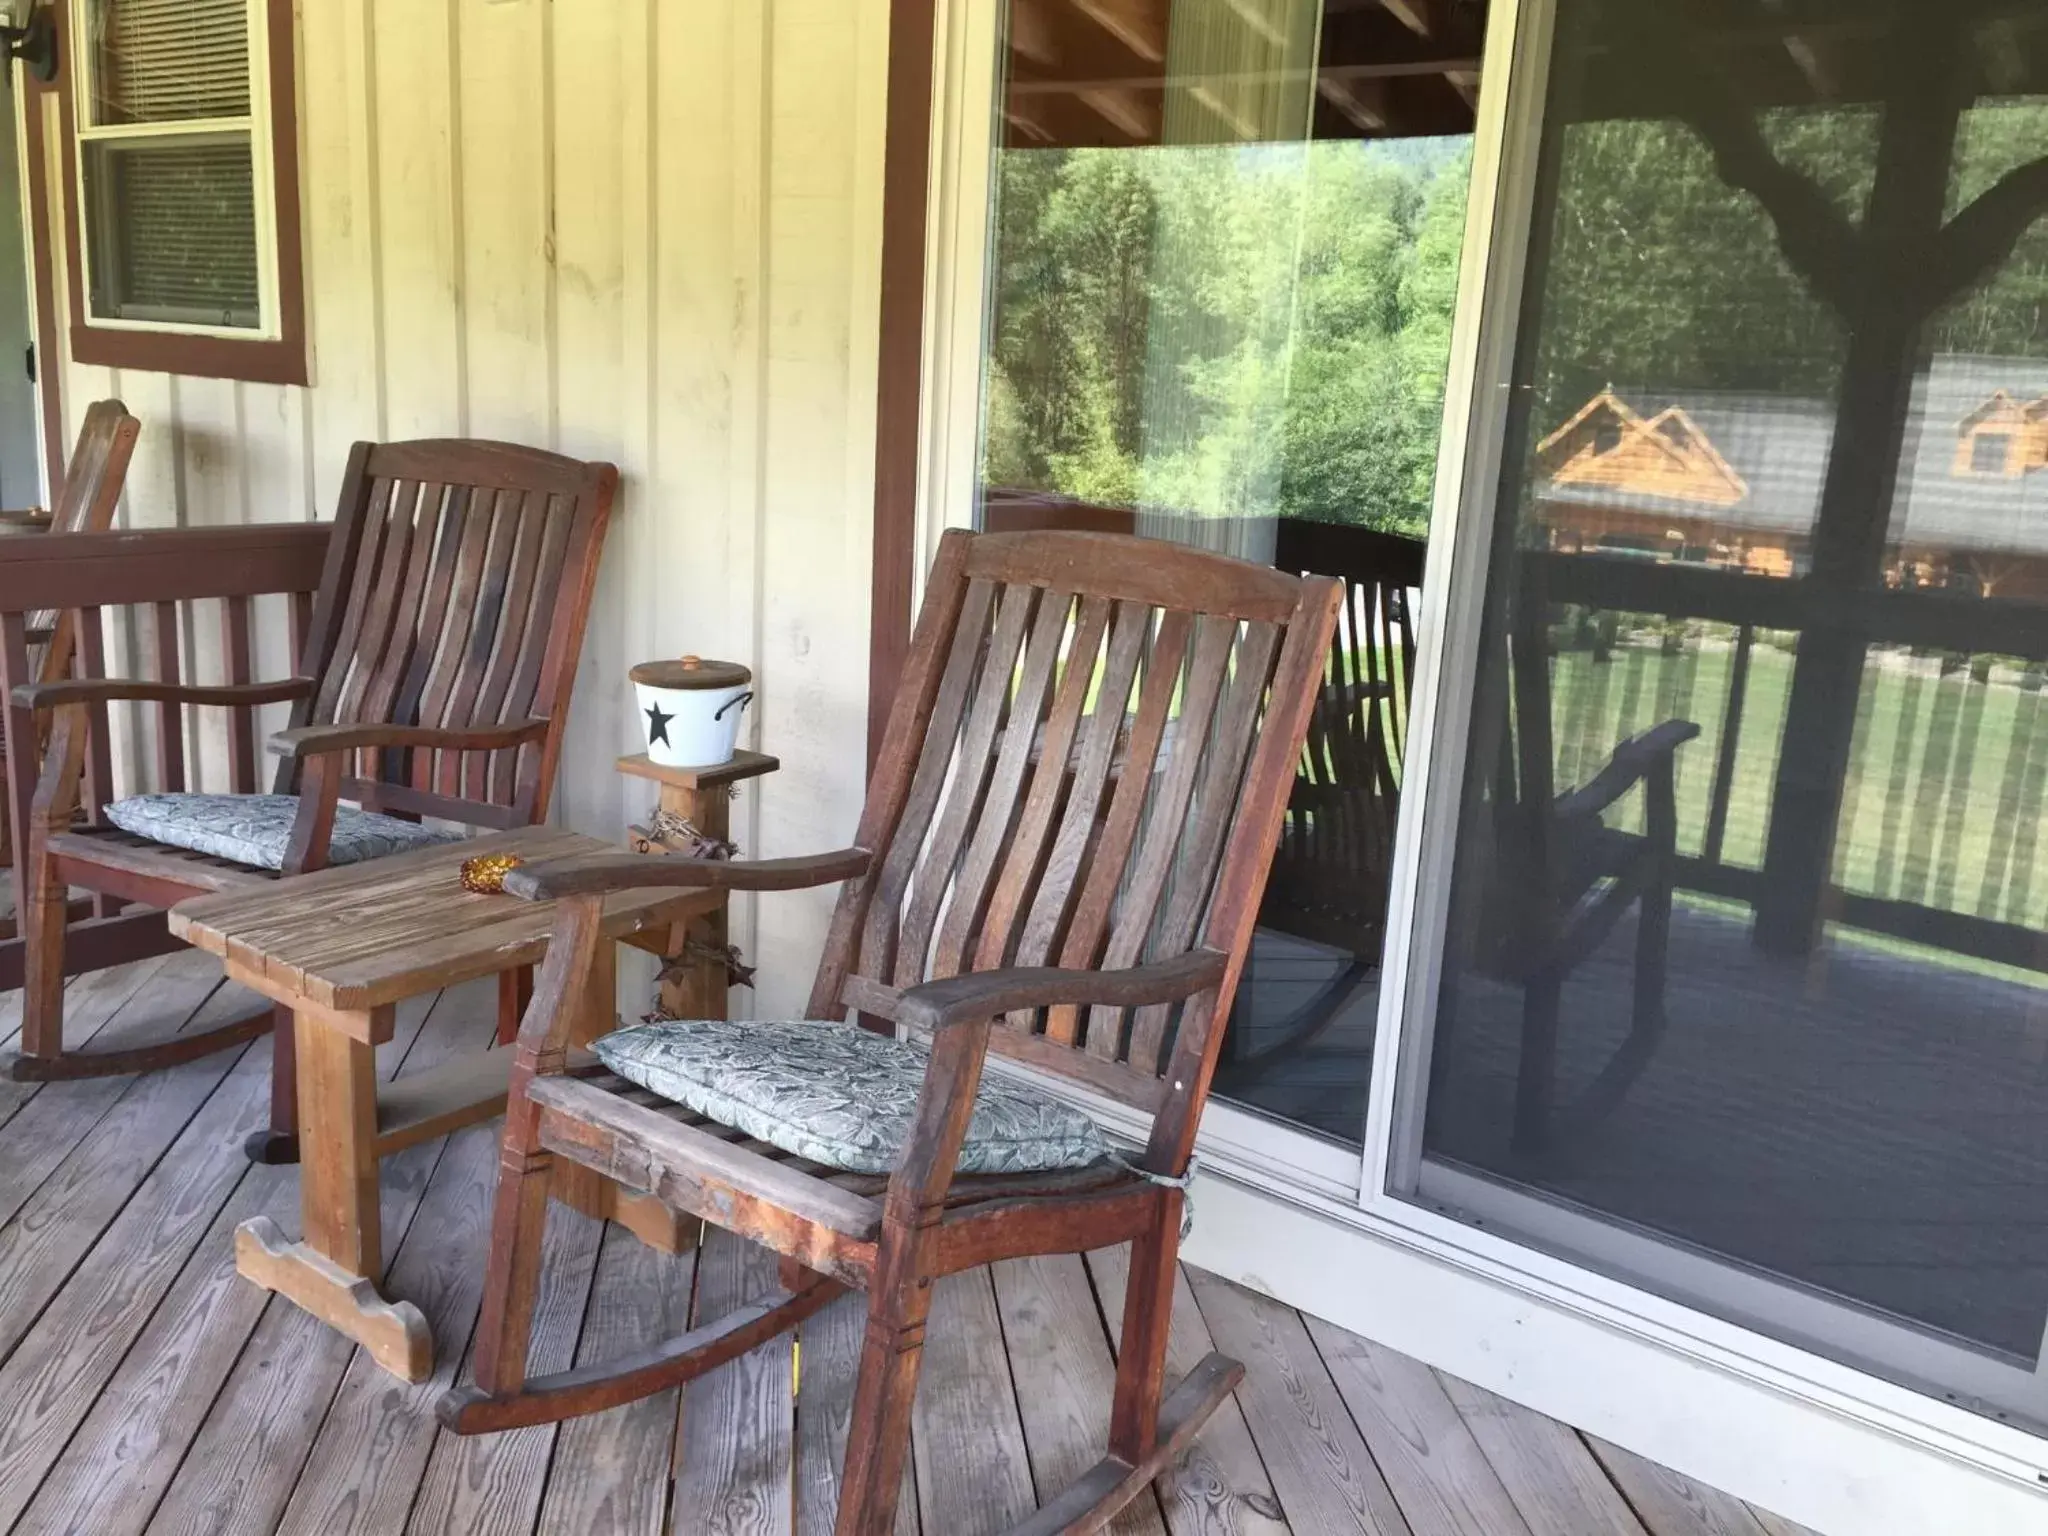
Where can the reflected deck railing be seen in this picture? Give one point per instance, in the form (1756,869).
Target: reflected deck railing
(1949,766)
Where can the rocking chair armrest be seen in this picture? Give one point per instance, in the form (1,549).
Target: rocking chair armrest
(111,690)
(1633,761)
(598,873)
(979,996)
(321,740)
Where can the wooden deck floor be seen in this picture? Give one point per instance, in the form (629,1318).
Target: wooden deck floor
(145,1388)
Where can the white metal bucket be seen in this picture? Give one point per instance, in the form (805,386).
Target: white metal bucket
(692,727)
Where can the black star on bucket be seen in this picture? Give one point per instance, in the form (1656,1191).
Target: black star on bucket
(657,725)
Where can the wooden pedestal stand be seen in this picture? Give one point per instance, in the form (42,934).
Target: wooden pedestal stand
(702,797)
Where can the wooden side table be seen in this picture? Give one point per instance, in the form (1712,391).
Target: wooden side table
(341,948)
(702,797)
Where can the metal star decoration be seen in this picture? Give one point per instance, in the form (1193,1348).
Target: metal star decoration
(657,725)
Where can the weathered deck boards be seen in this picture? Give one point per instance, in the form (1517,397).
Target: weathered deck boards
(146,1389)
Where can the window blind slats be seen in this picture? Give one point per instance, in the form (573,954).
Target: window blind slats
(172,231)
(158,61)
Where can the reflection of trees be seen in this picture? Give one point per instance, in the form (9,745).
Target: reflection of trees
(1885,279)
(1156,309)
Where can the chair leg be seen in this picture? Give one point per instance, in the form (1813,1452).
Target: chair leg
(515,991)
(1653,947)
(42,999)
(1536,1078)
(519,1216)
(279,1142)
(1149,1427)
(878,1437)
(1148,1314)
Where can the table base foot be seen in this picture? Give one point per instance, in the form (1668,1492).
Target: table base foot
(394,1332)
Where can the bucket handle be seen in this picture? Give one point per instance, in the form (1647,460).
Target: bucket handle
(741,701)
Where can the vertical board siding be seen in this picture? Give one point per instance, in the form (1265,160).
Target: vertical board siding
(620,229)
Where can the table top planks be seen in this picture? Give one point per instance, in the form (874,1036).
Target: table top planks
(360,936)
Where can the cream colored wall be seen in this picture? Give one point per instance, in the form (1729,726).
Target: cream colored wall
(641,230)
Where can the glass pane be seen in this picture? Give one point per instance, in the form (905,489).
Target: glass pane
(156,61)
(171,230)
(1746,953)
(1225,253)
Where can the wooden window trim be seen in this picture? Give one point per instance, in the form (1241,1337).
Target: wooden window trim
(899,386)
(266,360)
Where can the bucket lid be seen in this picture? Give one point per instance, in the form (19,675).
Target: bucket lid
(691,672)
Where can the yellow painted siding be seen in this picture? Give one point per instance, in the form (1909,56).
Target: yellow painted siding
(641,230)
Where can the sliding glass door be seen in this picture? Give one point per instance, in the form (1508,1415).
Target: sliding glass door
(1222,263)
(1731,977)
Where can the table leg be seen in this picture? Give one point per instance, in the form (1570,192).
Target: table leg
(655,1224)
(333,1271)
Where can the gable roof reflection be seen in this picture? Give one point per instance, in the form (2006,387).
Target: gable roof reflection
(1777,448)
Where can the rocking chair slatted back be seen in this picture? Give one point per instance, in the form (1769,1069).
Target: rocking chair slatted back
(86,503)
(1330,877)
(1080,751)
(457,585)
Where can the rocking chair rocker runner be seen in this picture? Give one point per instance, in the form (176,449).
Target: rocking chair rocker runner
(436,668)
(1059,863)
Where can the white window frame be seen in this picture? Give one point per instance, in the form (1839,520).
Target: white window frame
(258,127)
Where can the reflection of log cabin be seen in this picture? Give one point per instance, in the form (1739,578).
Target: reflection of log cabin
(1734,480)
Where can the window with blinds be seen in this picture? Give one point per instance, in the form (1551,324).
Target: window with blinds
(173,169)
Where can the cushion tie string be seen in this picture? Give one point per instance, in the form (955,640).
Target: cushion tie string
(1184,1183)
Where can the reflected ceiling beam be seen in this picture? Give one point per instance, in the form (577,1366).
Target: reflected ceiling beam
(1466,83)
(1392,69)
(1253,14)
(1125,110)
(1362,102)
(1815,65)
(1240,123)
(1031,32)
(1028,125)
(1418,16)
(1140,25)
(1373,36)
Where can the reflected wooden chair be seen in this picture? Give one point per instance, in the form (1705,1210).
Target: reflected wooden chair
(91,495)
(1331,874)
(1010,897)
(436,666)
(1563,879)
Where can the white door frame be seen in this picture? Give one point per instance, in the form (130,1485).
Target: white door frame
(1821,1442)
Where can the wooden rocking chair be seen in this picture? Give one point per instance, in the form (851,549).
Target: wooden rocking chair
(1332,874)
(1060,864)
(91,494)
(436,668)
(1563,879)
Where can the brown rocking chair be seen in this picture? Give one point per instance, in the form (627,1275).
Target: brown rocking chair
(436,669)
(1334,867)
(1059,863)
(91,494)
(1563,879)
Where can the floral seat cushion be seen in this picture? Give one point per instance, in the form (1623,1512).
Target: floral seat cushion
(839,1095)
(254,829)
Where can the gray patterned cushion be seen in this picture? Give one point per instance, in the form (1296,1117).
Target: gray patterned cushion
(839,1095)
(254,829)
